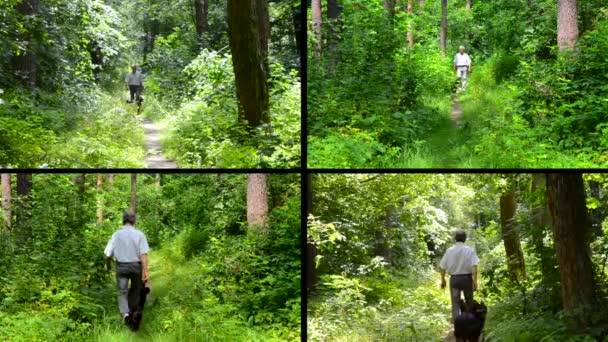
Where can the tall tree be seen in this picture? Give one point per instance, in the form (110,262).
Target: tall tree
(23,226)
(316,24)
(25,63)
(297,27)
(333,16)
(540,223)
(6,199)
(567,24)
(410,25)
(443,36)
(248,62)
(99,198)
(201,10)
(133,206)
(510,234)
(311,249)
(571,233)
(257,200)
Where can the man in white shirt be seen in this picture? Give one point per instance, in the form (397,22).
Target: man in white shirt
(460,262)
(130,249)
(462,66)
(135,83)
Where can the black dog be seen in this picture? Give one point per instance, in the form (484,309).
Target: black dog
(136,311)
(468,326)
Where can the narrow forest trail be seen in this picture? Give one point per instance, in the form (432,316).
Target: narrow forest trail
(154,156)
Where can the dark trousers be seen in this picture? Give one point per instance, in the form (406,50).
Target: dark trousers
(128,296)
(461,284)
(135,91)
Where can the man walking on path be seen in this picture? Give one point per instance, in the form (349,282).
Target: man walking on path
(462,66)
(135,83)
(130,248)
(460,262)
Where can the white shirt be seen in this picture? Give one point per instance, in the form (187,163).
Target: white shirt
(459,259)
(462,60)
(127,244)
(135,78)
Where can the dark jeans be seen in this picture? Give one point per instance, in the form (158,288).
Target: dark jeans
(461,283)
(135,92)
(128,296)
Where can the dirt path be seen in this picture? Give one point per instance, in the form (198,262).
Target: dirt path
(154,155)
(456,112)
(448,336)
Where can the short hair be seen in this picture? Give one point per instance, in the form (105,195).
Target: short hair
(461,47)
(460,235)
(128,217)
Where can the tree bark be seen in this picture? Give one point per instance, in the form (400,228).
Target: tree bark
(540,221)
(297,28)
(571,233)
(311,250)
(133,207)
(257,200)
(443,36)
(510,235)
(410,26)
(99,199)
(201,10)
(567,24)
(248,62)
(6,199)
(25,64)
(23,227)
(333,16)
(316,24)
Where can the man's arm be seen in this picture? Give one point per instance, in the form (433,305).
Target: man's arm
(442,279)
(144,265)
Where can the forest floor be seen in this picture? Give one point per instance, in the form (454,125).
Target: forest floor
(154,155)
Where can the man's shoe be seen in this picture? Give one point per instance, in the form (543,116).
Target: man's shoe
(125,318)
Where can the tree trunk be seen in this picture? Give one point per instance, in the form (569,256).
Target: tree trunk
(540,223)
(6,199)
(99,199)
(410,26)
(201,10)
(311,250)
(158,180)
(333,16)
(316,24)
(23,227)
(389,5)
(510,235)
(110,179)
(297,28)
(248,62)
(571,232)
(133,207)
(257,200)
(567,24)
(25,64)
(468,5)
(444,28)
(384,234)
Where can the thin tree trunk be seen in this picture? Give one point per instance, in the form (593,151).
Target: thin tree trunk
(248,62)
(201,10)
(257,200)
(6,199)
(384,235)
(444,28)
(25,64)
(133,207)
(99,199)
(158,180)
(541,222)
(410,26)
(316,24)
(311,250)
(110,179)
(297,28)
(333,16)
(510,235)
(571,233)
(567,24)
(23,227)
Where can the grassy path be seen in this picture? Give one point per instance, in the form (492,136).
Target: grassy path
(154,156)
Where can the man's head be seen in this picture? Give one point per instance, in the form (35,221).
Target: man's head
(128,218)
(134,68)
(460,235)
(461,49)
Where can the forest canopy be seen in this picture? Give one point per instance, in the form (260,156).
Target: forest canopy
(223,266)
(62,83)
(375,241)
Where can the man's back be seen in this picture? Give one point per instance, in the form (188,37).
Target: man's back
(459,259)
(127,244)
(135,78)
